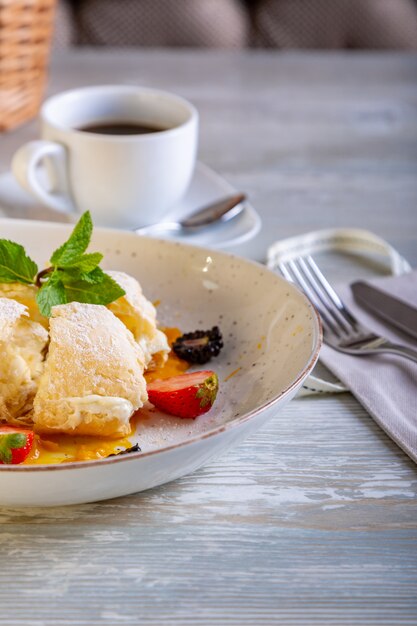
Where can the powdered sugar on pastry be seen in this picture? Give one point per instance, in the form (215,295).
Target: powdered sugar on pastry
(22,344)
(139,316)
(93,378)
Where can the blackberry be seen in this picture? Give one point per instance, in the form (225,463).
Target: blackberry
(199,346)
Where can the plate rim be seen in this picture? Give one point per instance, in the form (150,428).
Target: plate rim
(234,423)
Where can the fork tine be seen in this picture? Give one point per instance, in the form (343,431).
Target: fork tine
(290,271)
(341,330)
(284,271)
(338,324)
(331,293)
(328,304)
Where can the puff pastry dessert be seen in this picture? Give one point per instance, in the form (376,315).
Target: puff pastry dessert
(93,378)
(139,316)
(22,345)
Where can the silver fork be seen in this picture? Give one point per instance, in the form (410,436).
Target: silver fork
(342,331)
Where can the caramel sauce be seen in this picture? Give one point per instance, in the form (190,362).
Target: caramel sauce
(51,449)
(232,374)
(67,448)
(173,366)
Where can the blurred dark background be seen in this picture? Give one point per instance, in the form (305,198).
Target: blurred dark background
(332,24)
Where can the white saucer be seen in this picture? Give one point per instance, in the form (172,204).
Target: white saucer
(206,186)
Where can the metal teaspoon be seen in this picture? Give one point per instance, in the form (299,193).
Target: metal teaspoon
(219,211)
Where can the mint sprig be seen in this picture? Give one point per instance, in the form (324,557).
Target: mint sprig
(73,276)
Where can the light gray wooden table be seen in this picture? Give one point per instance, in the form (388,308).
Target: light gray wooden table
(314,519)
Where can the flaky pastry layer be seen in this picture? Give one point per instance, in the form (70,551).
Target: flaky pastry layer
(93,379)
(139,316)
(22,346)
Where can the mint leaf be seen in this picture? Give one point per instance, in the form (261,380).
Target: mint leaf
(77,243)
(86,262)
(51,293)
(72,275)
(15,265)
(9,443)
(103,292)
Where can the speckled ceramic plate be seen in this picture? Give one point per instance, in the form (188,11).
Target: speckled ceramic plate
(272,339)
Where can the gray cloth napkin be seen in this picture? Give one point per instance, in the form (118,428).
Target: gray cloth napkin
(385,385)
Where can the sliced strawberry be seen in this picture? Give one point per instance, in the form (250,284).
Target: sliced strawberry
(187,395)
(15,444)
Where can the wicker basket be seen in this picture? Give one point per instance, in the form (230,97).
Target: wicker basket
(25,36)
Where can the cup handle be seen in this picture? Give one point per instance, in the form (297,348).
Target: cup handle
(25,168)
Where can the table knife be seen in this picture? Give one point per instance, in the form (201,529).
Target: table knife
(387,307)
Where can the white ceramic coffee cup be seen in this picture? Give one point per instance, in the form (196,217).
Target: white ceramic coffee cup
(123,180)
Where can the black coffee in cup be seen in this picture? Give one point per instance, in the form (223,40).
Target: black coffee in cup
(120,128)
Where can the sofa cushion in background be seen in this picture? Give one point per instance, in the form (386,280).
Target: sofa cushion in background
(237,23)
(211,23)
(335,24)
(64,29)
